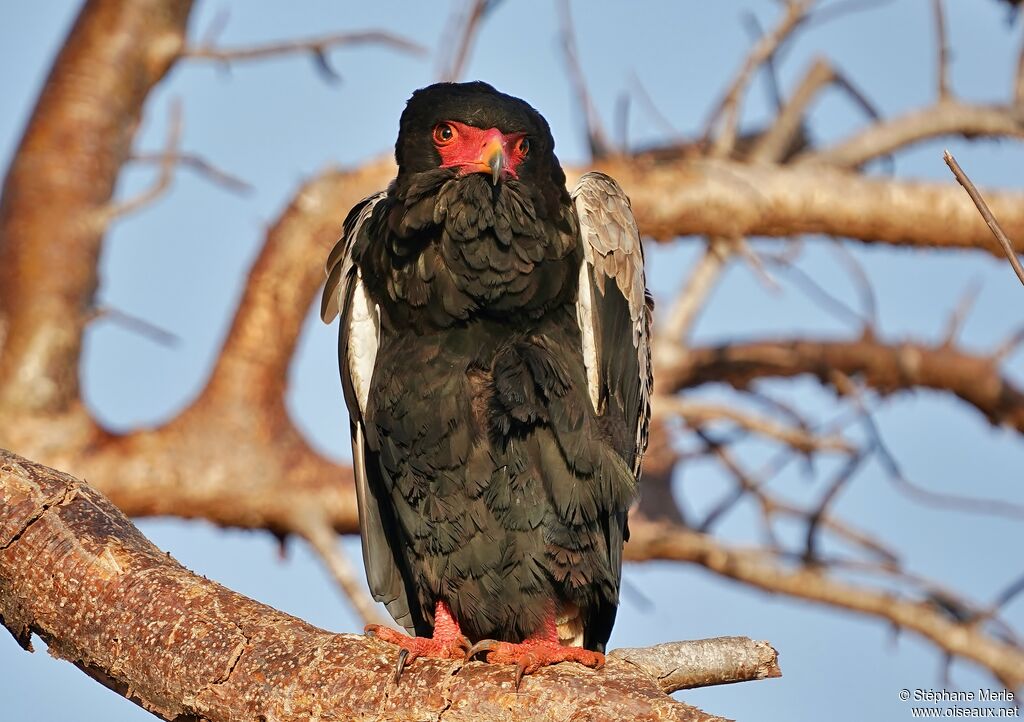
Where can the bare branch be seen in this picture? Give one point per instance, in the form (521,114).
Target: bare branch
(771,147)
(945,118)
(136,324)
(470,21)
(887,368)
(163,181)
(317,47)
(983,209)
(200,165)
(694,293)
(324,541)
(685,665)
(728,109)
(815,517)
(600,147)
(696,413)
(942,50)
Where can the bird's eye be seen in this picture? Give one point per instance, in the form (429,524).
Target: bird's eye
(443,133)
(524,146)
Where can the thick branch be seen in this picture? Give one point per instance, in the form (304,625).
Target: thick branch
(61,181)
(76,572)
(885,367)
(732,199)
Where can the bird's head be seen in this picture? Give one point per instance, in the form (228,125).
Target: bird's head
(471,128)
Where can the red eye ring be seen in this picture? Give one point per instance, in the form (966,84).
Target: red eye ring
(523,146)
(444,133)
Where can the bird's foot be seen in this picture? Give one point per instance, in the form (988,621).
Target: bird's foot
(448,641)
(438,648)
(532,654)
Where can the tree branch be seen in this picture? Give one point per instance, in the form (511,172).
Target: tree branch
(983,209)
(946,118)
(78,138)
(886,368)
(685,665)
(76,572)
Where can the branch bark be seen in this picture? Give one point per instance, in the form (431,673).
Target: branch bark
(76,572)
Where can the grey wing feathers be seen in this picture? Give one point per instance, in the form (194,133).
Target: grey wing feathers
(345,294)
(613,273)
(339,263)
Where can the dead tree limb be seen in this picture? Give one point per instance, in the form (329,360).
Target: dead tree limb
(76,572)
(983,209)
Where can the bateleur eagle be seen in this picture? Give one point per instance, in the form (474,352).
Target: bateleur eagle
(495,360)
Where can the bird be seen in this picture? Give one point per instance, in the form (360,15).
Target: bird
(495,363)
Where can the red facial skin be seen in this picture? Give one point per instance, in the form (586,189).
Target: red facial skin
(471,149)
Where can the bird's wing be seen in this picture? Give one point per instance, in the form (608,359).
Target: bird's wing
(614,310)
(346,294)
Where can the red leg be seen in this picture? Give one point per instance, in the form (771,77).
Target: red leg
(448,641)
(540,649)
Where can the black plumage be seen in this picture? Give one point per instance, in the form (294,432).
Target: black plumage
(498,408)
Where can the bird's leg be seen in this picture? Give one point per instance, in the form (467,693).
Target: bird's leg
(540,649)
(448,641)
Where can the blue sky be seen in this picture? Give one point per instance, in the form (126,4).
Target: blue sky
(181,263)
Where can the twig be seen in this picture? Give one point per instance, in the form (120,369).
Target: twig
(815,518)
(757,266)
(694,293)
(596,136)
(942,50)
(645,100)
(960,313)
(728,108)
(772,145)
(698,413)
(861,280)
(137,325)
(771,77)
(317,47)
(1018,80)
(983,208)
(958,502)
(324,542)
(1009,346)
(201,166)
(164,179)
(837,10)
(825,299)
(471,17)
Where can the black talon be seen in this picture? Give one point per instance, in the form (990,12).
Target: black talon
(484,645)
(403,655)
(520,671)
